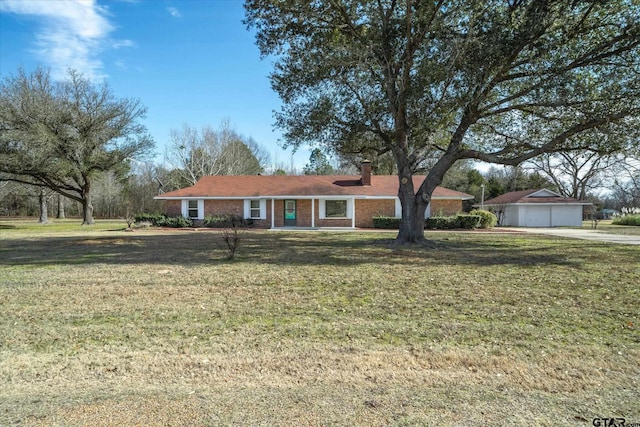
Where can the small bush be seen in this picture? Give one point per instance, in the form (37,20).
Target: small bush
(152,218)
(487,219)
(435,222)
(468,222)
(386,222)
(440,222)
(627,220)
(160,220)
(177,222)
(230,238)
(227,221)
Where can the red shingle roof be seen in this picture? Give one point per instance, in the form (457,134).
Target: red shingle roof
(249,186)
(529,196)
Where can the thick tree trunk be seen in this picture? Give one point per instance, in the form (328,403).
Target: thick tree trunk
(413,208)
(44,214)
(412,222)
(415,204)
(87,206)
(411,225)
(60,207)
(87,212)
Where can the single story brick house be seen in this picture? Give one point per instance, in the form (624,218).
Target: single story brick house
(307,201)
(536,208)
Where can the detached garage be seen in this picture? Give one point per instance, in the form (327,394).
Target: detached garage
(536,208)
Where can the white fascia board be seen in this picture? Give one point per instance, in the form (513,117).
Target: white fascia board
(550,204)
(288,197)
(451,198)
(538,204)
(323,197)
(210,198)
(396,197)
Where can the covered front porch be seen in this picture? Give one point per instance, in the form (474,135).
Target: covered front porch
(312,213)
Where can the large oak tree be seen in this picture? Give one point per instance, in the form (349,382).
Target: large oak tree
(435,82)
(62,134)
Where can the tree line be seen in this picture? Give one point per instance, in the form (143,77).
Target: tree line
(616,186)
(63,164)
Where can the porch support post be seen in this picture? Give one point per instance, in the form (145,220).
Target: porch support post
(353,215)
(272,213)
(313,210)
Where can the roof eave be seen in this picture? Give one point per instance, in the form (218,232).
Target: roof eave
(293,196)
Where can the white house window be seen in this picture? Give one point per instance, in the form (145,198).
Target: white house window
(255,208)
(193,209)
(337,208)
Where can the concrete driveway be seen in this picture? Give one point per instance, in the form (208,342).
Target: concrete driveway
(585,234)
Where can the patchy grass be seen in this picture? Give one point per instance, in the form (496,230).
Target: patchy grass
(156,327)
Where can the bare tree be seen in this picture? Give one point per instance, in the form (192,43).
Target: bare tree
(109,200)
(575,174)
(626,184)
(197,153)
(145,181)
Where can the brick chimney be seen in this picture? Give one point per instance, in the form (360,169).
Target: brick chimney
(366,172)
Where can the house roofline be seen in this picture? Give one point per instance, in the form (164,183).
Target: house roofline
(330,196)
(536,204)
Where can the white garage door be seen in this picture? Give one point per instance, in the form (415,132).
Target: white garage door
(566,216)
(538,216)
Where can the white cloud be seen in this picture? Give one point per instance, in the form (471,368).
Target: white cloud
(71,33)
(121,64)
(174,12)
(117,44)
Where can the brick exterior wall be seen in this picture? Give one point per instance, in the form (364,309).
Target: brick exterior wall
(303,213)
(365,210)
(445,207)
(222,207)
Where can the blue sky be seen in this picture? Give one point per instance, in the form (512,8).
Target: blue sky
(188,61)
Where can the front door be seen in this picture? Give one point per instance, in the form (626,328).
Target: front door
(289,213)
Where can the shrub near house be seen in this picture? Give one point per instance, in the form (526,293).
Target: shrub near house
(475,219)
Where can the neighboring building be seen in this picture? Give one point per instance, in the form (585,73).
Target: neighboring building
(536,208)
(303,201)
